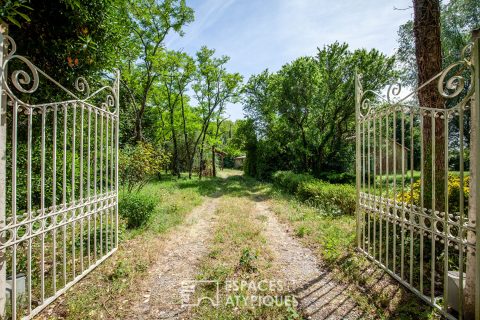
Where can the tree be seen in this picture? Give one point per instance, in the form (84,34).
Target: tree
(176,71)
(428,52)
(297,94)
(69,39)
(302,114)
(457,19)
(151,21)
(214,87)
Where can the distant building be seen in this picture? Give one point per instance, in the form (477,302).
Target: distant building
(384,161)
(239,161)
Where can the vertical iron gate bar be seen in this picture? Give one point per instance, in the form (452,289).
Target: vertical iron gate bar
(3,171)
(358,159)
(117,133)
(462,213)
(475,165)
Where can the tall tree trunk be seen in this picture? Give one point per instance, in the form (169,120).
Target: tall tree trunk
(203,132)
(140,113)
(176,169)
(214,171)
(429,63)
(138,126)
(185,136)
(304,151)
(428,52)
(200,173)
(201,153)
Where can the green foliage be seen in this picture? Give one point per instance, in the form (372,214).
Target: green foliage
(149,21)
(333,198)
(335,177)
(290,181)
(413,195)
(14,10)
(302,231)
(247,260)
(68,39)
(138,164)
(302,116)
(136,209)
(458,19)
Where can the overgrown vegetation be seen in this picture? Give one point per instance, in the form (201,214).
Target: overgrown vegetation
(136,209)
(335,198)
(413,194)
(239,253)
(139,164)
(103,293)
(333,238)
(302,117)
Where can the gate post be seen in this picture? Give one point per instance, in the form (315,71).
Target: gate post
(472,295)
(358,162)
(3,163)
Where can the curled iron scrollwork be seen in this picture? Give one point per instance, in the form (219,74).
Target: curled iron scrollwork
(394,90)
(21,78)
(453,86)
(26,80)
(456,80)
(81,85)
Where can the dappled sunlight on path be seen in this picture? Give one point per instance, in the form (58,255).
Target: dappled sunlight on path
(319,295)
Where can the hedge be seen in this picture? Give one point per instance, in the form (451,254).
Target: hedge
(334,198)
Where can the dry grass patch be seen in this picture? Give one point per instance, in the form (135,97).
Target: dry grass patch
(332,237)
(104,292)
(238,253)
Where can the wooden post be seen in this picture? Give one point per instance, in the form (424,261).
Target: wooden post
(472,287)
(3,163)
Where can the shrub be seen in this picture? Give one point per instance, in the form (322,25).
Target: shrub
(337,197)
(335,177)
(136,209)
(289,181)
(331,197)
(138,164)
(453,193)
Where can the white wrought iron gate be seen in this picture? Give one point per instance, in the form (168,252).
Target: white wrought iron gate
(418,186)
(58,182)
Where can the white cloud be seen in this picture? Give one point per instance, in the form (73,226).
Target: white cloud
(205,16)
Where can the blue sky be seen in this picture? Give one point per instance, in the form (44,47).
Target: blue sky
(260,34)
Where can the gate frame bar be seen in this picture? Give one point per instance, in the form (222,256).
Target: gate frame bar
(474,212)
(3,165)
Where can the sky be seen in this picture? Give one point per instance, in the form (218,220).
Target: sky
(261,34)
